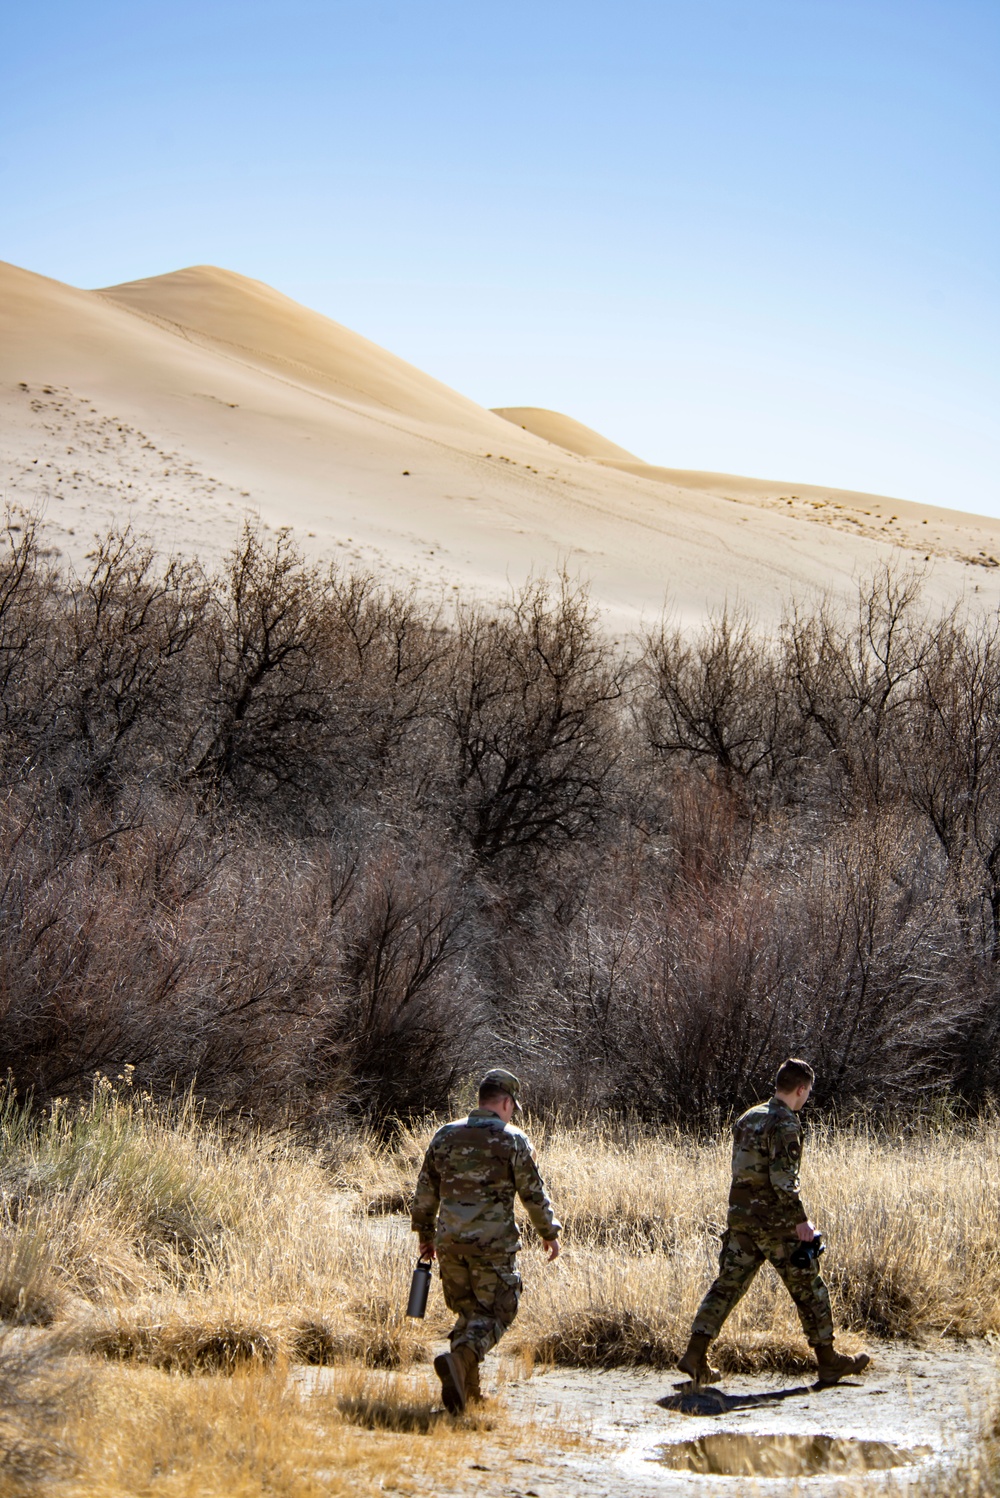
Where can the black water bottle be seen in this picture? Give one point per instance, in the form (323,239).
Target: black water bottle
(420,1286)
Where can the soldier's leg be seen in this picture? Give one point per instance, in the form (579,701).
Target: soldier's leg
(496,1288)
(455,1369)
(812,1301)
(739,1261)
(456,1286)
(807,1289)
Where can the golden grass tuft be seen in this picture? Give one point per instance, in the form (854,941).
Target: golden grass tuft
(31,1293)
(203,1344)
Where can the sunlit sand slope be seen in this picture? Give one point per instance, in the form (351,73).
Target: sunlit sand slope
(925,532)
(181,401)
(269,331)
(563,431)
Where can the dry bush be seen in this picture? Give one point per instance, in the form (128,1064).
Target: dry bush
(261,700)
(853,679)
(307,685)
(29,634)
(718,701)
(301,840)
(130,622)
(678,999)
(529,730)
(289,977)
(412,1013)
(952,769)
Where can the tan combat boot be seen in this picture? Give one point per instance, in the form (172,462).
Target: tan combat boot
(453,1369)
(695,1361)
(473,1393)
(833,1365)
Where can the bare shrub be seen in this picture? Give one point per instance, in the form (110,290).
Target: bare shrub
(386,651)
(705,1010)
(951,765)
(28,679)
(719,701)
(852,682)
(308,683)
(263,702)
(874,999)
(527,713)
(129,622)
(412,1013)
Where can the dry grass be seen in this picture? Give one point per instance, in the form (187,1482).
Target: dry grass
(157,1237)
(187,1265)
(36,1389)
(143,1432)
(912,1222)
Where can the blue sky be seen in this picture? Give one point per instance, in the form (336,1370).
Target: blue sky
(754,237)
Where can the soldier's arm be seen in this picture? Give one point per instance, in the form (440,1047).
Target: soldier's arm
(426,1199)
(784,1157)
(531,1189)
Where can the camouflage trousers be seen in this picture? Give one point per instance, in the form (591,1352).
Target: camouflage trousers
(484,1294)
(744,1250)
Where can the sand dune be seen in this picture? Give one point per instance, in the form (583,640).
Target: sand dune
(563,431)
(276,335)
(928,532)
(181,401)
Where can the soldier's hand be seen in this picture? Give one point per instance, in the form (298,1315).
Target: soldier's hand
(805,1232)
(428,1251)
(552,1249)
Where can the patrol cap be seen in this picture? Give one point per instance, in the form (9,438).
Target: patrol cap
(505,1080)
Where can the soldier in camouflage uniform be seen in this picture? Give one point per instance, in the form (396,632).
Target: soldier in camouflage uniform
(766,1220)
(463,1212)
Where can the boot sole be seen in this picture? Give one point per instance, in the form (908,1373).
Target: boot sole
(451,1393)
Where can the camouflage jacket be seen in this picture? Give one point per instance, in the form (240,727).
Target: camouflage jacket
(465,1190)
(767,1149)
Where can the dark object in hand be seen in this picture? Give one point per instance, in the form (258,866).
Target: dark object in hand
(420,1284)
(807,1252)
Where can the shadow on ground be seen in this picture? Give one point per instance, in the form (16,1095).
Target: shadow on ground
(689,1400)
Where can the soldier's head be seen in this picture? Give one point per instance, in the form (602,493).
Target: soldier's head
(500,1091)
(794,1083)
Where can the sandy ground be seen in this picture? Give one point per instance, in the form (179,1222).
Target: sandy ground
(182,402)
(917,1408)
(926,1405)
